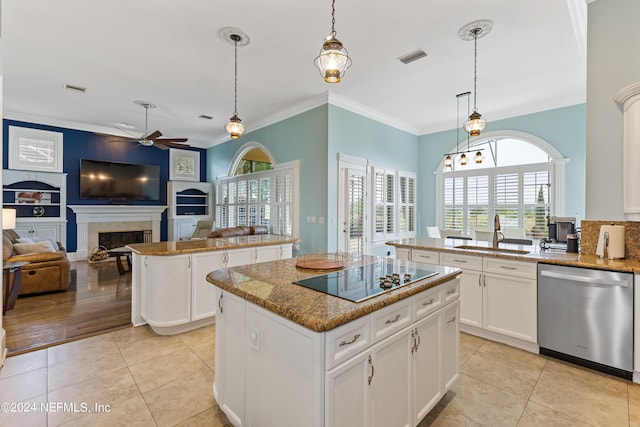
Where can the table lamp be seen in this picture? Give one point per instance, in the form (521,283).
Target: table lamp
(8,219)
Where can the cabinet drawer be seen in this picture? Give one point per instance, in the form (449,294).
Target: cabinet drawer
(428,257)
(510,267)
(461,261)
(390,319)
(451,291)
(347,340)
(428,301)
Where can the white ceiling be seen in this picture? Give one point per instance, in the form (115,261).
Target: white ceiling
(168,52)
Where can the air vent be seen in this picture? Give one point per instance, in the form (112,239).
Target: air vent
(413,56)
(205,117)
(75,88)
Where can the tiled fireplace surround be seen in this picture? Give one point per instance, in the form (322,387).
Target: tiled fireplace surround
(92,219)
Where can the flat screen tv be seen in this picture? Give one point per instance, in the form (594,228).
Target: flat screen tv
(118,181)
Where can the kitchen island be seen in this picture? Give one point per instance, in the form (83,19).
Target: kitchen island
(169,288)
(289,355)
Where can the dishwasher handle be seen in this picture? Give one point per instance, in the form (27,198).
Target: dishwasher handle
(584,279)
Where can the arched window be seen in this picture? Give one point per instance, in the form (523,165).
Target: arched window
(258,192)
(520,178)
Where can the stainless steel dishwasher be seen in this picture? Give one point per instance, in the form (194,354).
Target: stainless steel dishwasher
(585,316)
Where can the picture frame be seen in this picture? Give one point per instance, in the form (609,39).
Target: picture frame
(184,165)
(35,149)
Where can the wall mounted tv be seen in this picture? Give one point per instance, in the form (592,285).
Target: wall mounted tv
(118,181)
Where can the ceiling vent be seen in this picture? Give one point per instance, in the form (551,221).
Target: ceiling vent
(205,117)
(75,88)
(412,56)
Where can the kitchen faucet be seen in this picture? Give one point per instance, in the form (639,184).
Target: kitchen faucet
(496,231)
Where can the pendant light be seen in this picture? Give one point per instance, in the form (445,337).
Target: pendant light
(473,31)
(333,59)
(463,160)
(235,128)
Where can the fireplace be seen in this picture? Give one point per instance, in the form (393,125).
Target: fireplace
(117,239)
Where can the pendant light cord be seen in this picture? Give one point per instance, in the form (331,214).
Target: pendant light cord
(333,18)
(235,97)
(476,31)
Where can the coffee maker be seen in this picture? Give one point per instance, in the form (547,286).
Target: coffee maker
(561,227)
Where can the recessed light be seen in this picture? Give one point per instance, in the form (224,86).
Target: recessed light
(75,88)
(205,117)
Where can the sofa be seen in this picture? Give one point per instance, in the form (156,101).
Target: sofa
(242,230)
(48,269)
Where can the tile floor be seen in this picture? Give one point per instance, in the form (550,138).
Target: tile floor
(148,380)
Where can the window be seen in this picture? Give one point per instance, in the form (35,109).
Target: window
(394,204)
(516,180)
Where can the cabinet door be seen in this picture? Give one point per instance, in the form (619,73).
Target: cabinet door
(286,251)
(426,365)
(347,394)
(168,290)
(450,346)
(203,302)
(184,229)
(230,355)
(471,298)
(238,257)
(403,253)
(428,257)
(510,306)
(392,370)
(42,231)
(267,253)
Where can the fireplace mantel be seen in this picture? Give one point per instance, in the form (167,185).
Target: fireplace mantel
(86,214)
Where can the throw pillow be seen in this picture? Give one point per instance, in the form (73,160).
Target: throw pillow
(31,248)
(24,240)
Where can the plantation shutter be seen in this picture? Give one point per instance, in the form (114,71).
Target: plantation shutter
(454,203)
(477,211)
(507,199)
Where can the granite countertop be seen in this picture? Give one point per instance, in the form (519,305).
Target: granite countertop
(269,285)
(535,254)
(207,245)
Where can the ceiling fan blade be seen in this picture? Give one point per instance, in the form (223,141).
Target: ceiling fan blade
(173,139)
(121,139)
(153,135)
(164,144)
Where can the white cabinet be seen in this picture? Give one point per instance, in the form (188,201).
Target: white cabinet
(428,257)
(229,385)
(171,293)
(388,368)
(403,253)
(189,202)
(510,298)
(497,295)
(203,302)
(40,201)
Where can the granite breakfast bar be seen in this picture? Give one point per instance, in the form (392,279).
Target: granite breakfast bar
(169,288)
(289,355)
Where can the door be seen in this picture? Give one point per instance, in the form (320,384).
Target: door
(426,365)
(450,345)
(347,394)
(353,211)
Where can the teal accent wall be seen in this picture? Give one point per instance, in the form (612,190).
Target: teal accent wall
(316,137)
(359,136)
(304,138)
(564,128)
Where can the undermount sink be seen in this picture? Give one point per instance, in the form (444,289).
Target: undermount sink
(490,249)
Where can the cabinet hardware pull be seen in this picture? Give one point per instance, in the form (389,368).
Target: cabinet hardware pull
(413,336)
(355,338)
(395,319)
(428,302)
(484,280)
(508,268)
(418,337)
(460,260)
(453,319)
(480,280)
(372,370)
(220,303)
(452,291)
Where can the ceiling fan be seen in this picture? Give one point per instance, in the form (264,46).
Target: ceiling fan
(153,138)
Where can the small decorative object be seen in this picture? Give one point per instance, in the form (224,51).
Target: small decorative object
(184,165)
(38,210)
(322,261)
(99,253)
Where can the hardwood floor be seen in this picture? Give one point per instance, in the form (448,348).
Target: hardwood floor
(98,300)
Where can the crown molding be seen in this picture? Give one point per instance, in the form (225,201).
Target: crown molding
(67,124)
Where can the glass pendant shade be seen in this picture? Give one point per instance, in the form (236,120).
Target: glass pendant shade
(235,128)
(333,60)
(463,159)
(448,162)
(478,157)
(475,124)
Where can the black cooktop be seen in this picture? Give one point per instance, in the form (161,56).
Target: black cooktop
(360,283)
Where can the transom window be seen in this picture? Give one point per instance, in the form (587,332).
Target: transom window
(516,180)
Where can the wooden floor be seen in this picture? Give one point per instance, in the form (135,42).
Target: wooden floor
(98,300)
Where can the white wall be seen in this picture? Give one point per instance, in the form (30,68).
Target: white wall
(613,63)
